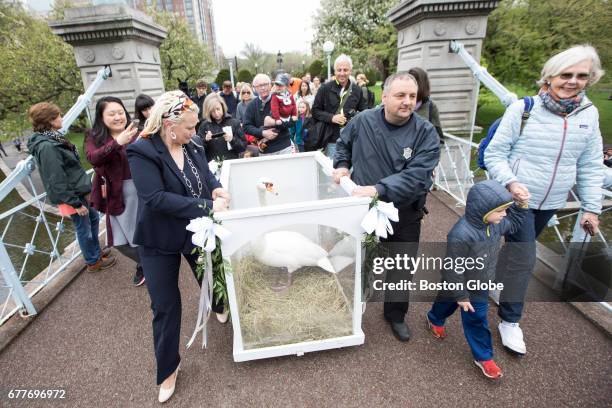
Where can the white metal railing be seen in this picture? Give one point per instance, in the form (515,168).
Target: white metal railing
(16,290)
(43,242)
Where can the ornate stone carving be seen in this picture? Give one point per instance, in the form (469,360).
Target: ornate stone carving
(117,52)
(88,54)
(440,29)
(139,51)
(155,57)
(417,31)
(471,27)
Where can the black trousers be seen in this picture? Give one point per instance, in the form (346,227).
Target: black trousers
(161,272)
(407,230)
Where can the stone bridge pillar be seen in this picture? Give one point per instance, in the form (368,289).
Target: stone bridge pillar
(116,35)
(425,29)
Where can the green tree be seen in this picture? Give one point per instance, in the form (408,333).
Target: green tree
(183,58)
(317,68)
(35,66)
(523,34)
(360,29)
(256,59)
(244,75)
(223,75)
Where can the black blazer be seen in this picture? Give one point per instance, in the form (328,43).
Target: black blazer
(165,205)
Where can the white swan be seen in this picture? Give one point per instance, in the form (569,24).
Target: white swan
(287,249)
(264,186)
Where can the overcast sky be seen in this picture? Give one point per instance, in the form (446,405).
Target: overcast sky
(274,25)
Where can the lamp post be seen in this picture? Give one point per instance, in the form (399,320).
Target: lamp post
(256,67)
(328,48)
(304,67)
(231,72)
(279,60)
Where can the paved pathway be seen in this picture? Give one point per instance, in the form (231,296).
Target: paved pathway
(95,342)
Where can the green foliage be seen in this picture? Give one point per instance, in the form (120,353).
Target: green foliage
(316,68)
(373,75)
(360,29)
(523,34)
(35,66)
(183,58)
(223,75)
(244,75)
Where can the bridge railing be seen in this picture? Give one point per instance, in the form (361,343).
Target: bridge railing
(32,240)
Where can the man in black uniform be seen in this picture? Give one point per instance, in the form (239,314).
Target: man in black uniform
(393,154)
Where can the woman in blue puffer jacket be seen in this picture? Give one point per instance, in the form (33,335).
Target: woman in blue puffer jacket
(560,146)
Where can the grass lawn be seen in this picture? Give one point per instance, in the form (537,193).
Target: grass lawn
(487,113)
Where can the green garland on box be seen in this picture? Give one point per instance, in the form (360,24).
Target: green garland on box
(219,267)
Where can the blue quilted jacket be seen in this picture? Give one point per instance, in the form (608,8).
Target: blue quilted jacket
(551,155)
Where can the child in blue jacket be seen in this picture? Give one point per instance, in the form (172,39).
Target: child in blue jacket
(489,214)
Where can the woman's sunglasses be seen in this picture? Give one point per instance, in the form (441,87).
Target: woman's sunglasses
(582,76)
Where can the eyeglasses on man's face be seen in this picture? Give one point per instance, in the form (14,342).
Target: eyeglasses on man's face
(260,86)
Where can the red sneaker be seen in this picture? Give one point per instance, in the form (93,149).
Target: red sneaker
(489,369)
(439,332)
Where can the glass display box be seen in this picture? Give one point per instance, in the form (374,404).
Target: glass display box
(294,256)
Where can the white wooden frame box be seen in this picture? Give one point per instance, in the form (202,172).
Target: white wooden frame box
(308,200)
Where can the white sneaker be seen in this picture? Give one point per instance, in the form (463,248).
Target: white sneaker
(222,317)
(512,337)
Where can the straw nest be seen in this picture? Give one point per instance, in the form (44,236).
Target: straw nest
(312,308)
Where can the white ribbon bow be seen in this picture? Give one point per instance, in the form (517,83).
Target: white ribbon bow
(379,219)
(204,231)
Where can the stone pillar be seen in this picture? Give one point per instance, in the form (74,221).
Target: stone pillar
(425,29)
(116,35)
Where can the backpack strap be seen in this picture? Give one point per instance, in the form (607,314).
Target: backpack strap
(528,101)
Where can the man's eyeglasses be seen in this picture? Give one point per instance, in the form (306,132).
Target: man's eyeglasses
(582,76)
(262,85)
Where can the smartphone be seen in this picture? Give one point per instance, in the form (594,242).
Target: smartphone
(220,134)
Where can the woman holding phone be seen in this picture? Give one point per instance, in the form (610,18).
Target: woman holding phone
(113,191)
(222,135)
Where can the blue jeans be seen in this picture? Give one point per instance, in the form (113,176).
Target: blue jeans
(330,150)
(87,234)
(516,262)
(475,324)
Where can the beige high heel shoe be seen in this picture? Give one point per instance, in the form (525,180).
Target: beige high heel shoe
(166,393)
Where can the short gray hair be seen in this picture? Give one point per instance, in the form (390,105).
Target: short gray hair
(344,58)
(261,78)
(572,56)
(399,75)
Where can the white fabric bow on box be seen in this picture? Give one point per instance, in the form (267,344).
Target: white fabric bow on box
(204,232)
(379,219)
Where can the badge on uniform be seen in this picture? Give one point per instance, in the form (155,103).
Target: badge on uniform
(407,153)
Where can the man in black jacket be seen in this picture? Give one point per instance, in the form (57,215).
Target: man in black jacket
(231,101)
(198,97)
(336,103)
(393,154)
(277,140)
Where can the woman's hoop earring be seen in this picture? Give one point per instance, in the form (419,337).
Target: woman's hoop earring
(172,135)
